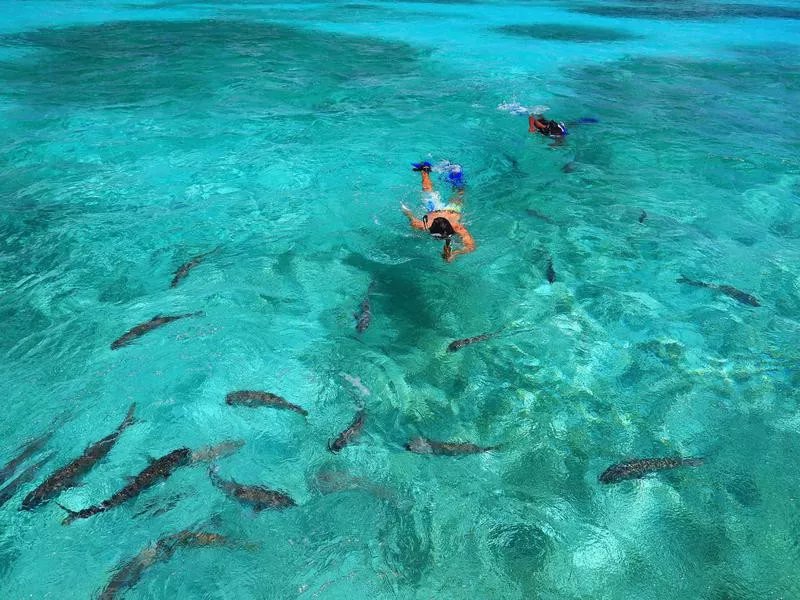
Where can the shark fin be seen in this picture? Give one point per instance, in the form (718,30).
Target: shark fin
(69,511)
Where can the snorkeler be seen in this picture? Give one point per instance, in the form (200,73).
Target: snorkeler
(552,129)
(442,220)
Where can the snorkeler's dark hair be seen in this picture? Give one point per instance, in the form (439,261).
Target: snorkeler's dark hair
(441,228)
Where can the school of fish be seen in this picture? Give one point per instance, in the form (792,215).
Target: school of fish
(256,496)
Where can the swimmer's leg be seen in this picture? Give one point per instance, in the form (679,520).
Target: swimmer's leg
(457,198)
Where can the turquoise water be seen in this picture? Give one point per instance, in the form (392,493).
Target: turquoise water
(136,135)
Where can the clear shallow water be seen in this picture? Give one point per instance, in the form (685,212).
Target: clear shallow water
(138,135)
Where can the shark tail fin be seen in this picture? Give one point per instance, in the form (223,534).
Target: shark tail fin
(513,328)
(695,282)
(684,279)
(71,514)
(129,418)
(69,511)
(213,474)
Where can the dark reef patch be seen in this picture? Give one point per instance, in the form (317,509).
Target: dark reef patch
(680,11)
(567,33)
(435,2)
(164,62)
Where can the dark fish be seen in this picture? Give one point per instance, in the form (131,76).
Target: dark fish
(27,475)
(255,399)
(642,217)
(196,539)
(184,269)
(364,315)
(159,506)
(68,476)
(153,323)
(458,344)
(551,274)
(158,470)
(349,435)
(639,467)
(329,482)
(220,450)
(29,450)
(728,290)
(511,161)
(128,574)
(421,445)
(356,383)
(256,496)
(540,216)
(168,505)
(569,167)
(739,295)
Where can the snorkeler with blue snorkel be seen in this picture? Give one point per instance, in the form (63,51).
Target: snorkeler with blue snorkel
(551,129)
(443,220)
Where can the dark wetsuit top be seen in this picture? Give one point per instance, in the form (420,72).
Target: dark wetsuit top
(552,128)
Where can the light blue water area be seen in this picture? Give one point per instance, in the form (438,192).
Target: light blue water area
(138,135)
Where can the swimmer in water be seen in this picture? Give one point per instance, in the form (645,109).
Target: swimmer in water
(551,129)
(443,220)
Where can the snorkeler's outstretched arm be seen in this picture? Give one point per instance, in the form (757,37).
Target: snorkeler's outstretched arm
(414,221)
(466,239)
(427,185)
